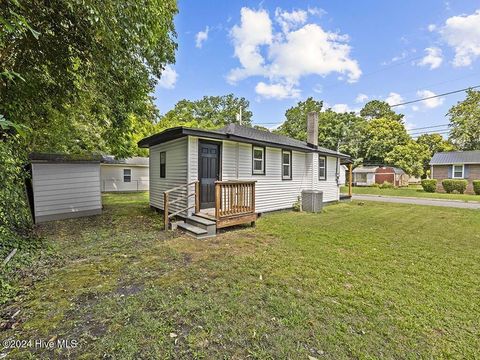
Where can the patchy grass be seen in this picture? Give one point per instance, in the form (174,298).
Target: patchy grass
(372,281)
(411,191)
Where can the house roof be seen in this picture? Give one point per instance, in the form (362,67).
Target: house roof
(456,157)
(133,161)
(373,169)
(235,132)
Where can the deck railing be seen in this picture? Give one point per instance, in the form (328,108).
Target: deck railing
(177,195)
(234,198)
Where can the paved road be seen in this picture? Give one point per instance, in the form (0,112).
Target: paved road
(419,201)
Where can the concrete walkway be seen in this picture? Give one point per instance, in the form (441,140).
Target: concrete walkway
(419,201)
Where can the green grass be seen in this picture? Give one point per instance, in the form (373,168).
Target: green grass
(372,281)
(411,191)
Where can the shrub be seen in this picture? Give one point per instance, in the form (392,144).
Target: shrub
(476,187)
(451,186)
(386,185)
(297,205)
(429,185)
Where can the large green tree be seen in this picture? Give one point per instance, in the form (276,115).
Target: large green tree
(380,136)
(69,65)
(465,122)
(410,157)
(295,124)
(377,109)
(435,143)
(209,112)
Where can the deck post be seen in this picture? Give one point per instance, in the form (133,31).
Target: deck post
(165,209)
(218,195)
(197,197)
(350,179)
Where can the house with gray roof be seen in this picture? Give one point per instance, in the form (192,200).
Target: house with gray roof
(456,165)
(238,171)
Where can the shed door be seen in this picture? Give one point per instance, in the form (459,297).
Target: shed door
(208,172)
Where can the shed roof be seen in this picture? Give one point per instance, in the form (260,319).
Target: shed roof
(365,169)
(456,157)
(64,158)
(239,133)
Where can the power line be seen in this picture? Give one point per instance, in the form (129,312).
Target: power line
(435,96)
(428,127)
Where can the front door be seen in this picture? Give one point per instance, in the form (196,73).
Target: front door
(208,172)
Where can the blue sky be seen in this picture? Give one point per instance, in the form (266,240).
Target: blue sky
(276,53)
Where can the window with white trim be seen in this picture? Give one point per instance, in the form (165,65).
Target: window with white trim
(458,171)
(127,175)
(322,168)
(286,165)
(258,160)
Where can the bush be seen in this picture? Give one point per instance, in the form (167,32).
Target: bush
(386,185)
(451,186)
(429,185)
(297,205)
(476,187)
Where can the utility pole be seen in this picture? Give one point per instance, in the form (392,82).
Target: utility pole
(240,117)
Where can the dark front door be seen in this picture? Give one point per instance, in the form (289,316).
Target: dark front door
(208,172)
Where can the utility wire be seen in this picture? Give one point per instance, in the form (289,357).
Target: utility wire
(435,96)
(428,127)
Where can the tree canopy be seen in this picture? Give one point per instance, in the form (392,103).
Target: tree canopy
(295,124)
(377,109)
(465,122)
(75,69)
(410,157)
(208,112)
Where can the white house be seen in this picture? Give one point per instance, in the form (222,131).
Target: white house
(239,170)
(124,174)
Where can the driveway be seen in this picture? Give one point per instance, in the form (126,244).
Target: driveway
(419,201)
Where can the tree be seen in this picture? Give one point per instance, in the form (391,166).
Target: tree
(377,109)
(409,157)
(435,143)
(295,125)
(96,60)
(210,112)
(379,138)
(465,122)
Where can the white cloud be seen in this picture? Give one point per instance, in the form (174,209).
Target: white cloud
(430,103)
(432,27)
(201,37)
(462,33)
(300,49)
(361,98)
(341,108)
(290,20)
(393,98)
(168,78)
(433,58)
(276,91)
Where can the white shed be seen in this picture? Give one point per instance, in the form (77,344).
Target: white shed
(65,187)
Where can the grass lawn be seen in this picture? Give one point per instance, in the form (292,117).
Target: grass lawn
(411,191)
(372,281)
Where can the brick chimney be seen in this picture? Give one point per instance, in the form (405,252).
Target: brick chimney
(312,129)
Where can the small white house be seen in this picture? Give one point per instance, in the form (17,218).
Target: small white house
(239,169)
(64,187)
(124,174)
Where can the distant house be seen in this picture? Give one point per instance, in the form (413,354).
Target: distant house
(456,165)
(124,174)
(370,175)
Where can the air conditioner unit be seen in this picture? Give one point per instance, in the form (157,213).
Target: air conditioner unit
(312,200)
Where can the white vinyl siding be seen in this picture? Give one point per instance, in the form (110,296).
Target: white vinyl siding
(112,178)
(272,193)
(176,172)
(65,190)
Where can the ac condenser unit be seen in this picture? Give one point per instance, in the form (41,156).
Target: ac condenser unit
(312,200)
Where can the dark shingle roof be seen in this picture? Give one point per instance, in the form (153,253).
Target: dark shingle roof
(136,160)
(456,157)
(239,133)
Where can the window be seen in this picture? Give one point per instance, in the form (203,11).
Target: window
(322,168)
(286,165)
(163,164)
(127,175)
(258,160)
(458,171)
(360,177)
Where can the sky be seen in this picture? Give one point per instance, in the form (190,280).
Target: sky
(277,53)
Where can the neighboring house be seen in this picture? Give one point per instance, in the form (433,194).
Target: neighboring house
(124,174)
(342,179)
(370,175)
(237,163)
(456,165)
(64,186)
